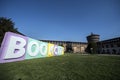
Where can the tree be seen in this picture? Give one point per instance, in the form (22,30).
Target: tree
(5,26)
(69,47)
(91,48)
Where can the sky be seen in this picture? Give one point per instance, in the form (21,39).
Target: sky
(64,20)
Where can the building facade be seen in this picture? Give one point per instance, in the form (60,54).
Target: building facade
(70,46)
(110,46)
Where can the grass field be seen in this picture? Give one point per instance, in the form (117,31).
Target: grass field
(66,67)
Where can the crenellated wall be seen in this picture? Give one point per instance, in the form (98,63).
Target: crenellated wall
(70,46)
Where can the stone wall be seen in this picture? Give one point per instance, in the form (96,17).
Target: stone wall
(70,46)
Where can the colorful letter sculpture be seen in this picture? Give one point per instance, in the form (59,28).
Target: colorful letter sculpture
(16,47)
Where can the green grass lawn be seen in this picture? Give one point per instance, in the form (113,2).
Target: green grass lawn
(66,67)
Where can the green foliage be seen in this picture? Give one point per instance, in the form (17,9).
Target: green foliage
(92,48)
(69,48)
(66,67)
(5,26)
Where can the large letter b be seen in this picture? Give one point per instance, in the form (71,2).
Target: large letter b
(15,48)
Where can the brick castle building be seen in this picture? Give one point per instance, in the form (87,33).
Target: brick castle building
(109,46)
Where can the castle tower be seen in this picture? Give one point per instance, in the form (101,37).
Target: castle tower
(93,38)
(92,43)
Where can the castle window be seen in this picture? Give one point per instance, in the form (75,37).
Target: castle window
(111,45)
(102,46)
(114,51)
(103,51)
(107,46)
(118,45)
(108,51)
